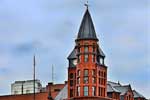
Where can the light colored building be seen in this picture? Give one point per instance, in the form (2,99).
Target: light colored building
(25,87)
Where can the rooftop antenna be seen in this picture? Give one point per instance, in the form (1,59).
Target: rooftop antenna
(52,73)
(34,64)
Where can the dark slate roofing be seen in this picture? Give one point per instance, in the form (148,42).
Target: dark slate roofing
(122,89)
(72,54)
(111,88)
(87,30)
(137,95)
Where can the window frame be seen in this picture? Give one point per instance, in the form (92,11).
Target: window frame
(86,58)
(93,91)
(86,49)
(78,91)
(86,91)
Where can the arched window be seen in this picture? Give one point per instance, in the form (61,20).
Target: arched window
(78,91)
(78,80)
(101,60)
(93,91)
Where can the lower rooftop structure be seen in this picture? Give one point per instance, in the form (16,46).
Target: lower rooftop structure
(115,91)
(25,87)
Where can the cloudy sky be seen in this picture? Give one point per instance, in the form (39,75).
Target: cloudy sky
(48,28)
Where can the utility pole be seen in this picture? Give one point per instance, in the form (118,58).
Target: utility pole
(52,73)
(34,64)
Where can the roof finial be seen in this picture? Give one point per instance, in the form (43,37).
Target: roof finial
(87,4)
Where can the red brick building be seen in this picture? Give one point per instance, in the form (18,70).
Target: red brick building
(87,73)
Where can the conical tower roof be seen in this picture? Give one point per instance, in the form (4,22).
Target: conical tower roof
(87,30)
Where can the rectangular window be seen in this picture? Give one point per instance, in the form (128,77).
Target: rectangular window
(79,50)
(93,72)
(86,72)
(93,80)
(101,81)
(104,91)
(104,82)
(93,48)
(99,91)
(86,49)
(71,92)
(93,58)
(78,80)
(79,58)
(78,91)
(71,82)
(86,57)
(104,74)
(86,90)
(86,80)
(93,91)
(27,91)
(71,75)
(78,72)
(101,60)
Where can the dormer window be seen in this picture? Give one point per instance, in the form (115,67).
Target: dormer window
(75,61)
(101,60)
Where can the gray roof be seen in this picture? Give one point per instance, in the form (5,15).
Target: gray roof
(111,89)
(87,30)
(63,94)
(113,83)
(122,89)
(72,54)
(100,52)
(137,95)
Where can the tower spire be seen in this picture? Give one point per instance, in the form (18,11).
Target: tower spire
(87,30)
